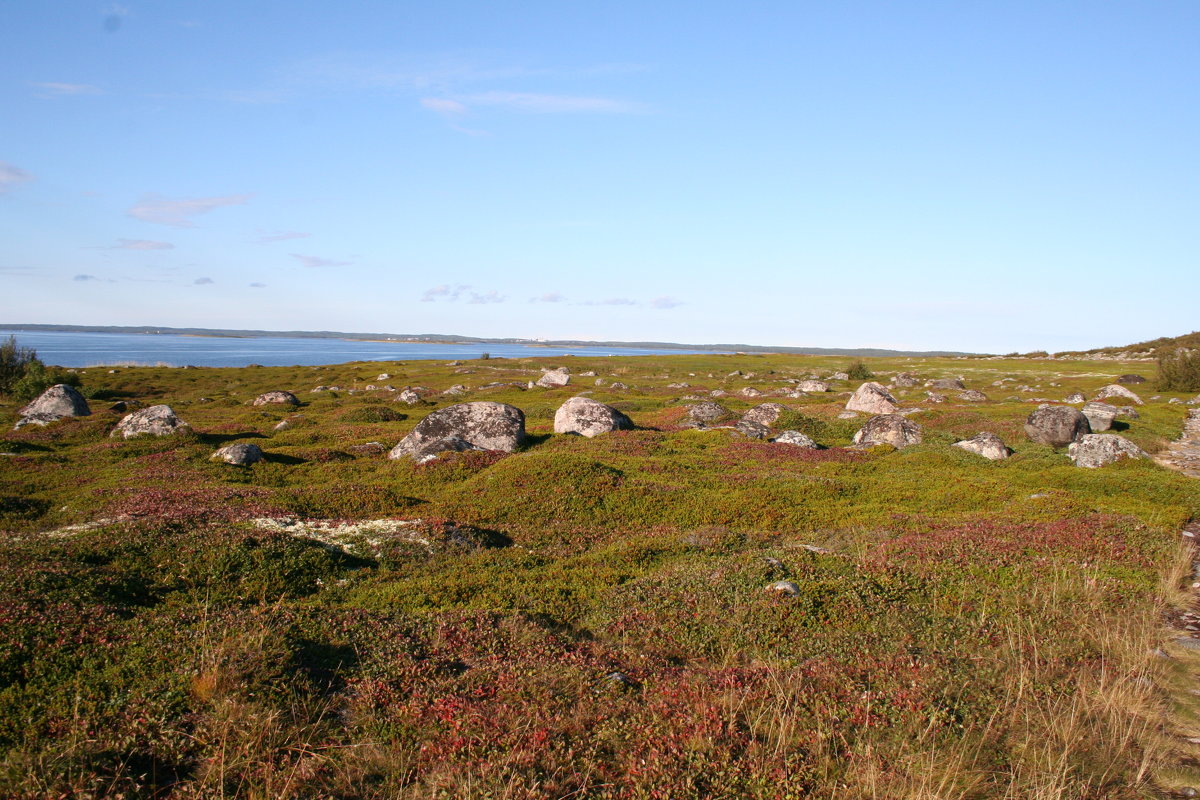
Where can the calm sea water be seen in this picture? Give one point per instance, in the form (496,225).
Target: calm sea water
(94,349)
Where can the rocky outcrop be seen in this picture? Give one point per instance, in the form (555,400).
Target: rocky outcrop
(946,383)
(765,414)
(1075,397)
(1116,390)
(796,439)
(893,429)
(151,421)
(973,396)
(277,397)
(871,398)
(241,454)
(985,444)
(58,402)
(587,417)
(1056,426)
(1183,454)
(751,429)
(1100,416)
(554,378)
(934,397)
(905,380)
(482,425)
(1101,449)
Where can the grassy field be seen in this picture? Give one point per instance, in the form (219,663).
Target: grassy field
(589,618)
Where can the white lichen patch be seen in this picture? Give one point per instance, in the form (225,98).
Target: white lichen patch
(363,538)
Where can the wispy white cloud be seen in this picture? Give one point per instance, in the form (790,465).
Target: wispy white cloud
(203,281)
(280,236)
(317,261)
(487,297)
(665,302)
(84,278)
(551,103)
(12,175)
(618,301)
(257,285)
(444,292)
(444,105)
(178,213)
(54,89)
(548,297)
(141,244)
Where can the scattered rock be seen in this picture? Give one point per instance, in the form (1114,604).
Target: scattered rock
(554,378)
(58,402)
(277,397)
(383,376)
(241,454)
(893,429)
(765,414)
(934,397)
(985,444)
(408,396)
(588,374)
(284,425)
(1075,397)
(839,376)
(1116,390)
(847,415)
(814,387)
(481,425)
(973,396)
(157,420)
(317,389)
(784,587)
(750,391)
(751,429)
(456,390)
(1056,426)
(679,386)
(905,380)
(871,398)
(587,417)
(1100,449)
(618,385)
(796,439)
(946,383)
(1100,416)
(1130,379)
(1128,412)
(701,414)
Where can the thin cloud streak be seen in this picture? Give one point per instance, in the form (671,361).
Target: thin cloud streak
(53,89)
(281,236)
(316,261)
(141,244)
(12,175)
(178,213)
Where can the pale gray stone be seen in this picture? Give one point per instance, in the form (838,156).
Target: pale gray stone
(554,378)
(58,402)
(946,383)
(973,396)
(765,414)
(157,420)
(796,439)
(277,397)
(587,417)
(893,429)
(985,444)
(871,398)
(1075,397)
(241,454)
(483,425)
(1101,449)
(1118,391)
(814,387)
(1100,416)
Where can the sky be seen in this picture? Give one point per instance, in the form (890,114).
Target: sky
(961,175)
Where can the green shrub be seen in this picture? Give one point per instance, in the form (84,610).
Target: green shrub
(38,378)
(14,361)
(372,413)
(858,372)
(1179,371)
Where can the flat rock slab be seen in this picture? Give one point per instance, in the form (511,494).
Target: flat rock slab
(1183,454)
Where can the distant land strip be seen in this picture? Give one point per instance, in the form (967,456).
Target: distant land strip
(439,338)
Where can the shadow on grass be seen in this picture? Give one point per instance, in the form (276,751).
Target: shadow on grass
(218,439)
(279,458)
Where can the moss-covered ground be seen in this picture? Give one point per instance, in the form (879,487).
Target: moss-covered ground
(963,628)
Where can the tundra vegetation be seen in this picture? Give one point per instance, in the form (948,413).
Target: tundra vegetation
(664,612)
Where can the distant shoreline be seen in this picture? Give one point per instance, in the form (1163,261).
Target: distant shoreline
(453,339)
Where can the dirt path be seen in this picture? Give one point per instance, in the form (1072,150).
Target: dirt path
(1183,454)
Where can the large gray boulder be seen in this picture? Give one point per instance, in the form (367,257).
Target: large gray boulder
(241,454)
(1101,449)
(1056,426)
(765,414)
(1119,391)
(705,412)
(985,444)
(588,417)
(58,402)
(554,378)
(482,425)
(1100,416)
(796,439)
(893,429)
(152,421)
(277,397)
(871,398)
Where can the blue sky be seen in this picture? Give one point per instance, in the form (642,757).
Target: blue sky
(988,176)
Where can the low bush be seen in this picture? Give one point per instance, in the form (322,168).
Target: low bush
(858,371)
(1179,371)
